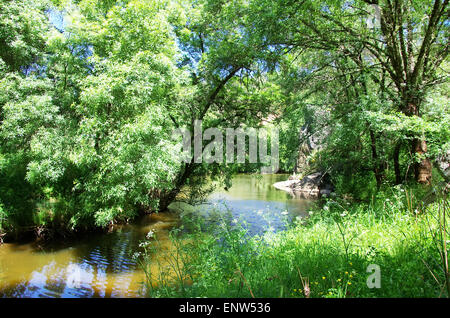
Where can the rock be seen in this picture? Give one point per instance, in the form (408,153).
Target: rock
(312,186)
(285,185)
(325,193)
(442,163)
(311,137)
(181,207)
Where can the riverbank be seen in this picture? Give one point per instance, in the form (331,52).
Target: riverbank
(332,253)
(102,264)
(49,226)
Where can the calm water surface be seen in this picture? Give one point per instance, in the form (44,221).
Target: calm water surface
(102,265)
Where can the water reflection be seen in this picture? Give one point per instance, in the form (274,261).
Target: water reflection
(253,201)
(98,266)
(102,265)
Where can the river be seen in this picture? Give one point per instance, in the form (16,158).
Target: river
(102,265)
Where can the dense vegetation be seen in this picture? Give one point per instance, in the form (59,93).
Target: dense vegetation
(329,254)
(92,90)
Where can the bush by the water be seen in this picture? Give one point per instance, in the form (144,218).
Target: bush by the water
(326,255)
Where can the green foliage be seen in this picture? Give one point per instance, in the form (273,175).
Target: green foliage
(23,26)
(371,91)
(91,90)
(86,128)
(330,251)
(96,143)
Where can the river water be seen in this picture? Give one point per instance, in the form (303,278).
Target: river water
(102,265)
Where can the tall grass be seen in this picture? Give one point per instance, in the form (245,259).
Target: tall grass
(325,255)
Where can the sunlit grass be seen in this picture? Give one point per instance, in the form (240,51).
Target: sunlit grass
(325,255)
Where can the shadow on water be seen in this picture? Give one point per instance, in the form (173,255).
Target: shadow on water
(102,265)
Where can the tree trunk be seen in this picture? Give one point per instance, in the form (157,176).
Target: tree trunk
(168,197)
(422,169)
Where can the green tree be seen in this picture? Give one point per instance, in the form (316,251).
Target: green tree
(398,45)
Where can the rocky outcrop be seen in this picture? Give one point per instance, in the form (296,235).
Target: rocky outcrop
(442,164)
(312,186)
(311,137)
(181,207)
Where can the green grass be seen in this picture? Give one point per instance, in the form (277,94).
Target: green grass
(326,255)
